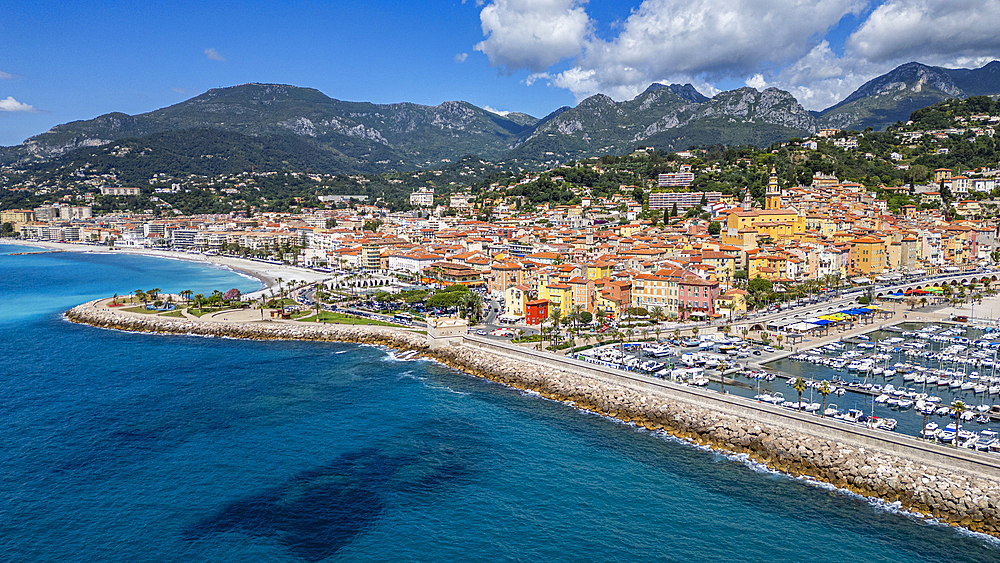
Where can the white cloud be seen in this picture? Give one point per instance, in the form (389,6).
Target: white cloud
(179,90)
(678,40)
(10,104)
(757,81)
(5,75)
(214,55)
(532,34)
(779,43)
(501,113)
(460,58)
(931,31)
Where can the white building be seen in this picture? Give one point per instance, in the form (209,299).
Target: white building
(423,197)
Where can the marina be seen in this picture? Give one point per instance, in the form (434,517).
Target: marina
(912,378)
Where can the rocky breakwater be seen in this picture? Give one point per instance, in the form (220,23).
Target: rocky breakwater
(920,484)
(94,314)
(917,485)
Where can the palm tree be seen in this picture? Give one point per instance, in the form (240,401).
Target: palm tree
(778,337)
(153,293)
(800,386)
(657,314)
(556,316)
(959,407)
(186,294)
(824,389)
(722,375)
(746,331)
(726,330)
(280,290)
(115,299)
(198,299)
(140,295)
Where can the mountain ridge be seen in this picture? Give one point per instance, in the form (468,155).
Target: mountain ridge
(371,137)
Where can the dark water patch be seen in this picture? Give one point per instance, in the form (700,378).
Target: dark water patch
(313,515)
(317,513)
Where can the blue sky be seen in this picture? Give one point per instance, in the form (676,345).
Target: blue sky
(61,62)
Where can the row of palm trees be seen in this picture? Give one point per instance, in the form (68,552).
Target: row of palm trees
(151,295)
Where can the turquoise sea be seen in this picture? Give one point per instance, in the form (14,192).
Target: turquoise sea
(135,447)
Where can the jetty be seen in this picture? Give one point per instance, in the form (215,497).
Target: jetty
(952,484)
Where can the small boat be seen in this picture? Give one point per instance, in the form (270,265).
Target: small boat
(887,424)
(967,439)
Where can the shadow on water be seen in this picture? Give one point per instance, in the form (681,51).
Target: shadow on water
(317,513)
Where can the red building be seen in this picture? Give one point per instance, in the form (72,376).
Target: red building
(536,311)
(696,297)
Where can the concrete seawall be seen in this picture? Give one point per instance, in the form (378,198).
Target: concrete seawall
(956,486)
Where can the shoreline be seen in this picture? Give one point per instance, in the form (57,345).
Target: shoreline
(782,442)
(266,274)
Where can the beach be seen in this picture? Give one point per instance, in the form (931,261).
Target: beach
(266,273)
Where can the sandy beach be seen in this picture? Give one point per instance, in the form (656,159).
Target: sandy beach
(266,273)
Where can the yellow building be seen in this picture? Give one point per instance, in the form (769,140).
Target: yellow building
(772,197)
(559,295)
(657,290)
(773,221)
(868,256)
(724,264)
(732,303)
(598,270)
(515,300)
(768,266)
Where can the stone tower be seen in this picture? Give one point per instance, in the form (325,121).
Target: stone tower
(773,195)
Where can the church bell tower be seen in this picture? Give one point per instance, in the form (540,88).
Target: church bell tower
(773,194)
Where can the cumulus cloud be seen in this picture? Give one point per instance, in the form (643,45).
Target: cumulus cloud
(933,31)
(5,75)
(532,34)
(671,40)
(214,55)
(757,81)
(501,113)
(777,43)
(460,58)
(10,104)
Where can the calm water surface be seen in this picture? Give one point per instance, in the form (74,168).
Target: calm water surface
(131,447)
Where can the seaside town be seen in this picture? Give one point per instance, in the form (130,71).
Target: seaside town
(686,242)
(501,280)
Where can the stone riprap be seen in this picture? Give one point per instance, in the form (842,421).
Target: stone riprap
(94,314)
(931,489)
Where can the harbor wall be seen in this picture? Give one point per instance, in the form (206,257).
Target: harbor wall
(956,486)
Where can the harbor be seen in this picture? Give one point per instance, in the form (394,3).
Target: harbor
(934,380)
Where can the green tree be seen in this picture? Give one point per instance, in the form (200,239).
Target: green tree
(714,228)
(824,389)
(800,386)
(959,407)
(759,285)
